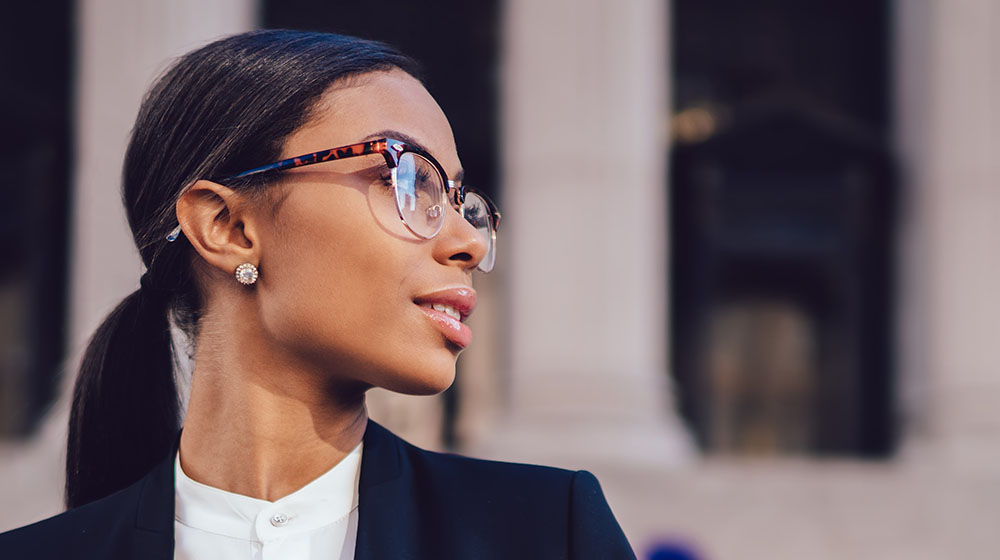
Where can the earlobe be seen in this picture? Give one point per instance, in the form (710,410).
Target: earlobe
(215,221)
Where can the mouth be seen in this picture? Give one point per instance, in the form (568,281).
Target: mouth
(447,309)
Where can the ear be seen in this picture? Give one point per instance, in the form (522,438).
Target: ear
(217,221)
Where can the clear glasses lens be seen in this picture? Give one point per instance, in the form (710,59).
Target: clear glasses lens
(477,212)
(420,196)
(422,202)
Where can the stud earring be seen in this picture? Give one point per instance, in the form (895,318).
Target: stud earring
(246,274)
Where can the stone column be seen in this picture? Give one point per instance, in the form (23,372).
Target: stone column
(948,87)
(124,45)
(584,124)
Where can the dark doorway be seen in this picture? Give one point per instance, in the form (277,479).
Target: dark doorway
(36,157)
(782,204)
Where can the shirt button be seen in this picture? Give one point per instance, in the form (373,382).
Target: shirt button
(279,519)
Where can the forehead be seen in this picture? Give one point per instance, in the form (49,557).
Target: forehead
(392,100)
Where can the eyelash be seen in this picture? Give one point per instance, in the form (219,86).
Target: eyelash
(386,177)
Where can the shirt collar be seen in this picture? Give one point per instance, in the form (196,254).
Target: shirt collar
(328,499)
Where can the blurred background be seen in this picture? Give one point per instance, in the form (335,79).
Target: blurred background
(747,270)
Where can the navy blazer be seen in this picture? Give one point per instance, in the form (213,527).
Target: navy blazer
(413,504)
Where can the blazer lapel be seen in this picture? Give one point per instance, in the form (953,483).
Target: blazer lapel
(387,516)
(154,521)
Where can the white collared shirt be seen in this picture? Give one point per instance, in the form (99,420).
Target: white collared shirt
(319,520)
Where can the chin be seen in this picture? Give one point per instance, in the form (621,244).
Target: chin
(429,381)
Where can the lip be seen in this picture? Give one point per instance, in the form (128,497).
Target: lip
(463,299)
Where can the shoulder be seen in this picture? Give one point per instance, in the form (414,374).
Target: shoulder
(545,490)
(93,530)
(458,477)
(472,476)
(564,508)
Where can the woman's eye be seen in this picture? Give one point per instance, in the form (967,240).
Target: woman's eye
(385,177)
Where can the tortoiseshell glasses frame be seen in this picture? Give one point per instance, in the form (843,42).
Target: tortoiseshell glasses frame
(413,172)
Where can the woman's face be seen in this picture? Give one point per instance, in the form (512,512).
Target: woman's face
(344,286)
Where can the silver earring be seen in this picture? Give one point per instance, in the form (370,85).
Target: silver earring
(246,274)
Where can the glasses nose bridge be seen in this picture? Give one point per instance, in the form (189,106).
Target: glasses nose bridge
(459,194)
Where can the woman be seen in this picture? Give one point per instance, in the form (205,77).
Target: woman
(297,200)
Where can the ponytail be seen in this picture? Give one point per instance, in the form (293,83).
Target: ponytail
(125,412)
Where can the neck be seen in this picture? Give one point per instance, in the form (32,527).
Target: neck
(261,425)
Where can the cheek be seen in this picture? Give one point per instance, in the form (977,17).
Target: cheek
(337,290)
(326,267)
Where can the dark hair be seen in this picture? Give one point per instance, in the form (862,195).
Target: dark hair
(223,108)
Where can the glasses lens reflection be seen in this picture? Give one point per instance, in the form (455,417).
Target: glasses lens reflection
(419,195)
(421,201)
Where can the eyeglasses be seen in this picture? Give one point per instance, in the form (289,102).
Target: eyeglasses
(421,190)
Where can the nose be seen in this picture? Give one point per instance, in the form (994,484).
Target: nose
(458,243)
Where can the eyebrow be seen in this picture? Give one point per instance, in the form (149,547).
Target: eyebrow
(411,141)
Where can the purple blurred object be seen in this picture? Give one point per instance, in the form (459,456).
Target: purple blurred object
(672,550)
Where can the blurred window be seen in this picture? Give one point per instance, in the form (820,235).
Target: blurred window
(35,156)
(782,210)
